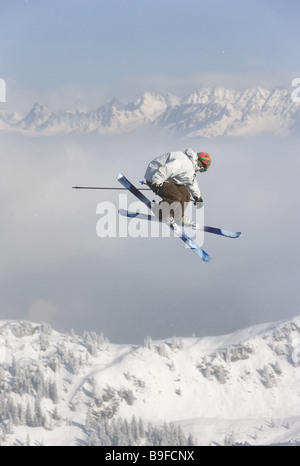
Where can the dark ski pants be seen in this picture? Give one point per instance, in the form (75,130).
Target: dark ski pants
(175,195)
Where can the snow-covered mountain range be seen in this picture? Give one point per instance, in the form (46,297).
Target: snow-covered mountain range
(207,112)
(64,389)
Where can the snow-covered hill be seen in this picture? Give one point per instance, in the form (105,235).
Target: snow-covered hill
(207,112)
(63,389)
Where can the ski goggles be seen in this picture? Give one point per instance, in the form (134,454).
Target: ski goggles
(202,166)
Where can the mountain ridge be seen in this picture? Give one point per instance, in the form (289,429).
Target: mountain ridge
(242,387)
(206,112)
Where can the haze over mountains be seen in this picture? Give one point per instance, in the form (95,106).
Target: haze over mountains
(207,112)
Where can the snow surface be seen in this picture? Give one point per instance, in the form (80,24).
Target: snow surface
(239,388)
(207,112)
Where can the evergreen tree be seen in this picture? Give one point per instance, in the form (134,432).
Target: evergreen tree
(21,414)
(10,426)
(55,414)
(53,392)
(28,415)
(148,343)
(134,429)
(88,420)
(141,428)
(38,415)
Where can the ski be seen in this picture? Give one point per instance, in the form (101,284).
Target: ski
(177,230)
(215,231)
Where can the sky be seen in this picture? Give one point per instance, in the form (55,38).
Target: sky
(49,43)
(79,54)
(120,46)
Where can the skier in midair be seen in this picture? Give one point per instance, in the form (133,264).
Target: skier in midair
(172,176)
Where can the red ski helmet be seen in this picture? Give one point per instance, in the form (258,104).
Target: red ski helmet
(204,161)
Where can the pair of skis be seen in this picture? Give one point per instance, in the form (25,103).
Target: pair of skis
(174,227)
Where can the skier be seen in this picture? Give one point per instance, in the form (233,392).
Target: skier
(172,176)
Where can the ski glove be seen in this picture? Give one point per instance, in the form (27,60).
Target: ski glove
(156,188)
(198,202)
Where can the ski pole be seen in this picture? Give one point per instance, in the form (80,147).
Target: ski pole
(102,187)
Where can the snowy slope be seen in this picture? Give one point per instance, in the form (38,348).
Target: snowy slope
(62,389)
(207,112)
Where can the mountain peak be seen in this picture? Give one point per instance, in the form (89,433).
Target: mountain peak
(40,109)
(38,115)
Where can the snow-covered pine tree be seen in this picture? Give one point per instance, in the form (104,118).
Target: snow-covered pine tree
(148,343)
(29,416)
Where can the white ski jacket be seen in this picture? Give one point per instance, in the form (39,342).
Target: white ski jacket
(176,167)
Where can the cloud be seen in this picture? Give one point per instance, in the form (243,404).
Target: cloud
(70,96)
(55,268)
